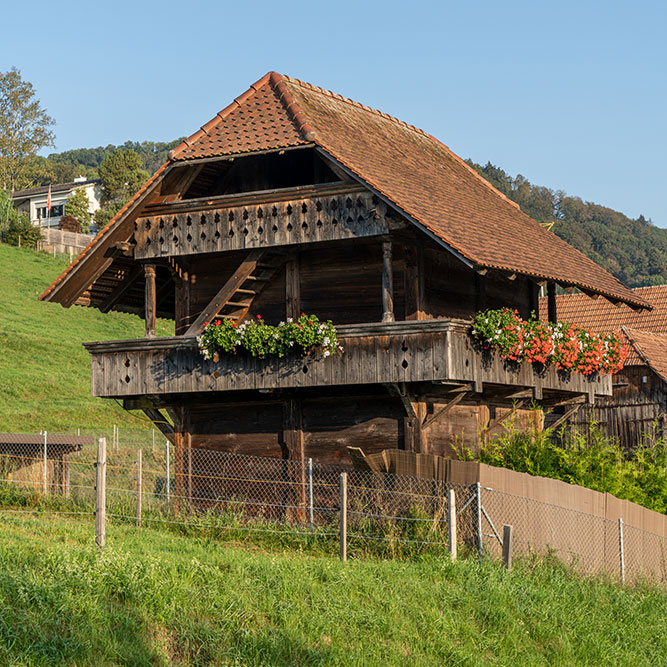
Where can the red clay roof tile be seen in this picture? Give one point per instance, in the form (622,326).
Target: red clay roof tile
(651,348)
(417,173)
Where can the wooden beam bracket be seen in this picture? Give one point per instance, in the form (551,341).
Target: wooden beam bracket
(445,409)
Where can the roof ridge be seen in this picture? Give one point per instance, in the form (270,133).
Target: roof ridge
(398,121)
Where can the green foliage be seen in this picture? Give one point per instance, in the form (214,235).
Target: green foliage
(263,340)
(587,459)
(103,215)
(156,598)
(121,175)
(24,127)
(635,251)
(22,232)
(44,368)
(78,206)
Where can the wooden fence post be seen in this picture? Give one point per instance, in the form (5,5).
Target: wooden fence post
(310,492)
(139,487)
(343,516)
(45,487)
(451,523)
(507,546)
(480,543)
(100,493)
(621,549)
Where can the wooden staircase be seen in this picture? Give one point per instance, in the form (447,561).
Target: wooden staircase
(236,296)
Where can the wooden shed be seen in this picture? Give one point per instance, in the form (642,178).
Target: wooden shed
(296,199)
(638,405)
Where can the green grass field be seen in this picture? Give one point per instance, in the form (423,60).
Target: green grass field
(157,598)
(44,370)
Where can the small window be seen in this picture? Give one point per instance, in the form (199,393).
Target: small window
(55,212)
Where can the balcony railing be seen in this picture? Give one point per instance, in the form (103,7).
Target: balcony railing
(416,351)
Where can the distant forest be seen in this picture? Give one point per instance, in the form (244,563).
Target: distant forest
(635,251)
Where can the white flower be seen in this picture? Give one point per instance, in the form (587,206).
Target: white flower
(326,340)
(326,353)
(282,324)
(238,342)
(289,319)
(291,343)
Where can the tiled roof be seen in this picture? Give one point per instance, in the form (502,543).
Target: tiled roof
(416,172)
(601,315)
(651,348)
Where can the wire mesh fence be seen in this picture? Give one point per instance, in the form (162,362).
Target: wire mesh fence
(149,481)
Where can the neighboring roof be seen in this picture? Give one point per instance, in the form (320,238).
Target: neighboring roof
(419,175)
(43,189)
(651,348)
(601,315)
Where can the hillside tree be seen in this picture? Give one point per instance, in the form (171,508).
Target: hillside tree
(78,206)
(24,128)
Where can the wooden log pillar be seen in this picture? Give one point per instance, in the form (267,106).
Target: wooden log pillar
(413,432)
(150,296)
(414,282)
(181,439)
(551,302)
(387,283)
(292,288)
(294,442)
(182,303)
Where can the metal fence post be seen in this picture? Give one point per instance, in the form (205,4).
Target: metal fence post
(480,545)
(451,523)
(507,546)
(343,516)
(44,471)
(621,550)
(139,481)
(168,480)
(100,493)
(310,492)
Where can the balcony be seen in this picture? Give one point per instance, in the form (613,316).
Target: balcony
(431,351)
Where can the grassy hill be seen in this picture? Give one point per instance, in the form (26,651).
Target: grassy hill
(44,370)
(157,598)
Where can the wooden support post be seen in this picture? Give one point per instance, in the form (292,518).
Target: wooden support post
(66,474)
(343,516)
(150,305)
(413,279)
(294,441)
(480,292)
(387,283)
(292,288)
(182,303)
(139,485)
(507,546)
(45,488)
(451,523)
(100,493)
(551,302)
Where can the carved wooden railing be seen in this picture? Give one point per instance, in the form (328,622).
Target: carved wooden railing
(297,215)
(424,351)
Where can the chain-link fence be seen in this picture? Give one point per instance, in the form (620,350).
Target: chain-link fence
(149,481)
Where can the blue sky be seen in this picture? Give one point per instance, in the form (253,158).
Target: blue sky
(570,94)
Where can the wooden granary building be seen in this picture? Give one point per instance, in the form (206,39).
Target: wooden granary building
(296,199)
(637,407)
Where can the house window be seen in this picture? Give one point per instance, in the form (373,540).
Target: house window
(55,212)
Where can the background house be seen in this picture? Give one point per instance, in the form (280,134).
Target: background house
(638,404)
(33,201)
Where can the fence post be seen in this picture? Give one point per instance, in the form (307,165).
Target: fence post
(100,493)
(621,550)
(44,471)
(310,492)
(343,516)
(451,523)
(139,487)
(507,546)
(168,480)
(480,544)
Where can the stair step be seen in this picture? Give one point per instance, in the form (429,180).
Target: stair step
(240,304)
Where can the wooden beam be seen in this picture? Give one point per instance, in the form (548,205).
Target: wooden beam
(150,300)
(294,442)
(574,409)
(497,422)
(292,288)
(115,296)
(387,283)
(395,390)
(238,278)
(182,303)
(480,291)
(413,278)
(445,409)
(551,301)
(161,423)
